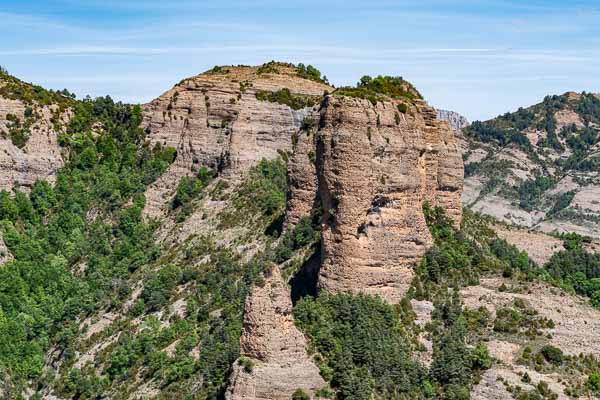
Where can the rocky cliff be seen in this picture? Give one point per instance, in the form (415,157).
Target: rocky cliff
(364,159)
(274,362)
(456,121)
(30,123)
(227,119)
(377,166)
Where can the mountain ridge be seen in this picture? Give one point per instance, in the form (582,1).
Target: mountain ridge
(545,154)
(255,222)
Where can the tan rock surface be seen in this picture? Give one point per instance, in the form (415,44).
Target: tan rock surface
(215,120)
(5,254)
(539,246)
(276,348)
(302,176)
(40,158)
(576,321)
(376,168)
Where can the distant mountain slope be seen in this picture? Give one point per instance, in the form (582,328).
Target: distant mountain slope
(539,166)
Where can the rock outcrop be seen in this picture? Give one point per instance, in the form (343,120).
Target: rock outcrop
(40,157)
(376,169)
(456,121)
(302,196)
(216,120)
(4,252)
(275,363)
(367,167)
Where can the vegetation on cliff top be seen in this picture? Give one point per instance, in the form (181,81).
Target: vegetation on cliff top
(15,89)
(284,96)
(379,88)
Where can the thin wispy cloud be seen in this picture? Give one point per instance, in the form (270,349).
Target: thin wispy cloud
(477,56)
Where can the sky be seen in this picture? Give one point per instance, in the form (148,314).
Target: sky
(480,58)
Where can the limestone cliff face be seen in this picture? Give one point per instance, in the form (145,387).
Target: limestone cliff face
(368,167)
(274,349)
(215,119)
(454,119)
(40,157)
(376,167)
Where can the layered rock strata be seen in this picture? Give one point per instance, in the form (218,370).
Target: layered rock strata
(302,196)
(274,362)
(216,120)
(40,157)
(376,168)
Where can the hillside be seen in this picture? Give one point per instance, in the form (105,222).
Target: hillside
(31,120)
(254,233)
(538,167)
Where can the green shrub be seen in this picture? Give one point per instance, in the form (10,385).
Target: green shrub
(285,97)
(301,235)
(552,354)
(308,123)
(266,187)
(593,382)
(247,363)
(300,394)
(381,88)
(310,72)
(159,286)
(189,188)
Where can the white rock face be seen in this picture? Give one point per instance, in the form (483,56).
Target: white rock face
(454,119)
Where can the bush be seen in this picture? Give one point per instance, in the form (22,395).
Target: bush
(285,97)
(308,123)
(310,72)
(266,188)
(300,394)
(190,188)
(593,382)
(159,286)
(247,363)
(301,235)
(552,354)
(380,88)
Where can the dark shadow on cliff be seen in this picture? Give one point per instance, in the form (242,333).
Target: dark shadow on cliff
(304,283)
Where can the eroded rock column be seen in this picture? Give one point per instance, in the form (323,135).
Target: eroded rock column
(376,167)
(275,362)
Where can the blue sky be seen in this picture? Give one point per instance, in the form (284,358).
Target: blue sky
(480,58)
